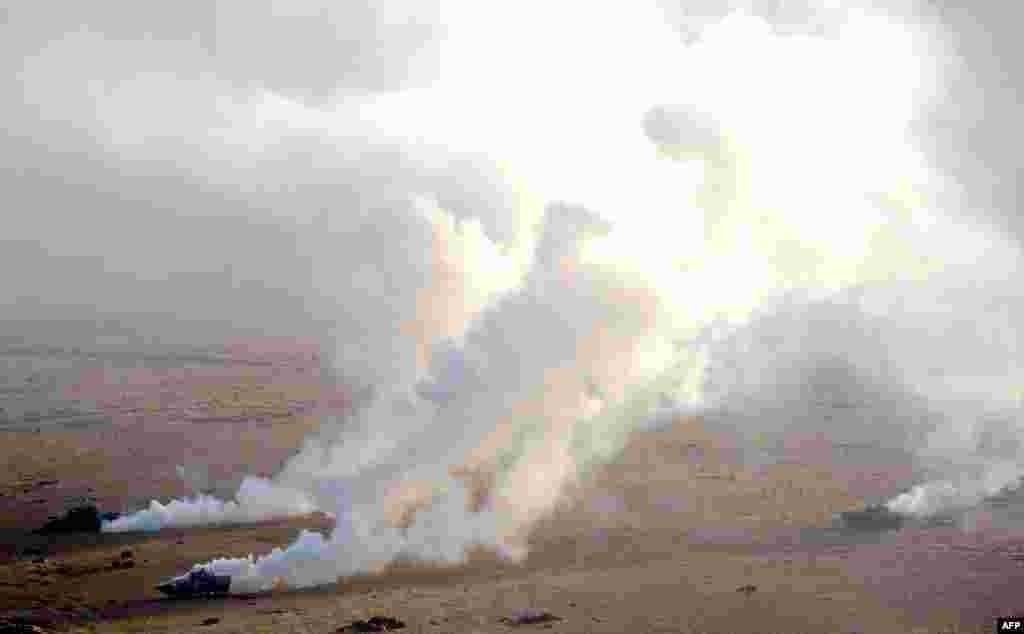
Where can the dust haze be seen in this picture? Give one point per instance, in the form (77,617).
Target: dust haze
(523,232)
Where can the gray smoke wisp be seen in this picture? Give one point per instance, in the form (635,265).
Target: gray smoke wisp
(520,248)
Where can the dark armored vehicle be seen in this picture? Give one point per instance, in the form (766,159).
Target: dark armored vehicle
(197,582)
(876,517)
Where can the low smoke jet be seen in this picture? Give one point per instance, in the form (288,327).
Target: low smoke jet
(197,582)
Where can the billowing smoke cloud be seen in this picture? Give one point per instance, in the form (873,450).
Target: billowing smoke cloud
(874,368)
(521,231)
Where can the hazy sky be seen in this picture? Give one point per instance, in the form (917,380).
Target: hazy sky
(120,196)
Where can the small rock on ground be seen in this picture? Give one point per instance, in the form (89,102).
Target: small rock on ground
(530,616)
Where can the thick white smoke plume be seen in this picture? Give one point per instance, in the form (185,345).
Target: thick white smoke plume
(529,228)
(257,499)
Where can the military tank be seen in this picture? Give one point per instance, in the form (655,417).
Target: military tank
(874,517)
(195,583)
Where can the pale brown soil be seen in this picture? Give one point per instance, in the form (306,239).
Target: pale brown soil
(232,421)
(659,541)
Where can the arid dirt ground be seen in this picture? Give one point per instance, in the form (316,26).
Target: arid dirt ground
(662,540)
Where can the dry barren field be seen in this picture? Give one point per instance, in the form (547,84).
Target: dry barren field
(677,534)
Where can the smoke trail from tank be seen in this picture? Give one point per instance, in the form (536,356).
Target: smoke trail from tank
(257,499)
